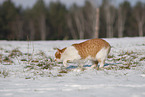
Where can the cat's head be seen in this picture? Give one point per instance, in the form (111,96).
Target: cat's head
(58,54)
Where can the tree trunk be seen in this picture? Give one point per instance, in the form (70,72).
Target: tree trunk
(18,28)
(140,28)
(32,30)
(109,31)
(42,27)
(97,23)
(139,14)
(120,27)
(110,18)
(79,19)
(70,25)
(120,31)
(121,21)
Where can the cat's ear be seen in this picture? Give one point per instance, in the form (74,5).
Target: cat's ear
(59,50)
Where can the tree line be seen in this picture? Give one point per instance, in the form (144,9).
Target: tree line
(54,21)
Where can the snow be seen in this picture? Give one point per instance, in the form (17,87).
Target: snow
(18,81)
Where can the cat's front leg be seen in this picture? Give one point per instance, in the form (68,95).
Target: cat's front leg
(65,63)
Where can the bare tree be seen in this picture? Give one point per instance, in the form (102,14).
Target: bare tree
(139,14)
(16,27)
(42,27)
(19,27)
(82,22)
(76,23)
(97,23)
(121,20)
(70,25)
(80,25)
(109,17)
(32,30)
(95,17)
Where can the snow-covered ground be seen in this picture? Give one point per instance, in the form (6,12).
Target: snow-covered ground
(27,69)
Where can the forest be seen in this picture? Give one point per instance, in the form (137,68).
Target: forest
(55,21)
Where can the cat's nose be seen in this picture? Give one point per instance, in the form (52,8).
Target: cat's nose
(56,60)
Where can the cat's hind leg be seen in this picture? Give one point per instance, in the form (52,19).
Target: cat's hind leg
(102,62)
(95,64)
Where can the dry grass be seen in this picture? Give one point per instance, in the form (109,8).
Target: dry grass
(40,61)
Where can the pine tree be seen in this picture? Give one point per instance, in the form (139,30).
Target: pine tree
(39,10)
(139,14)
(57,17)
(9,13)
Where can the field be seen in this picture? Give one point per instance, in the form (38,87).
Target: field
(28,69)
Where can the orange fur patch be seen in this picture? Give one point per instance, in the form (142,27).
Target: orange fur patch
(91,47)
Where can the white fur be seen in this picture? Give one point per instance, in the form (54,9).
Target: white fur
(70,54)
(102,55)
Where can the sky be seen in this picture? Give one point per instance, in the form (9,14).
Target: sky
(30,3)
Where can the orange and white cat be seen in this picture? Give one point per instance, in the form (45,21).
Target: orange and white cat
(95,50)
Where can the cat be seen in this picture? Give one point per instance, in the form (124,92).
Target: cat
(95,50)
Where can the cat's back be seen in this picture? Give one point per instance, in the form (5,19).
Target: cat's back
(91,47)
